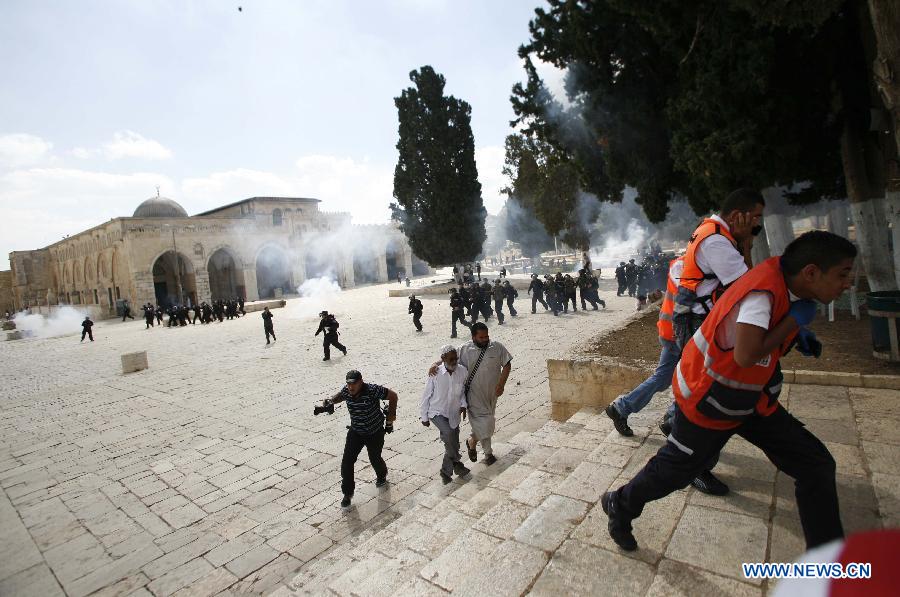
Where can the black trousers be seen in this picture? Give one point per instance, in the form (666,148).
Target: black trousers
(587,294)
(509,305)
(149,322)
(786,443)
(498,309)
(269,329)
(417,321)
(632,288)
(127,314)
(355,442)
(622,286)
(569,297)
(87,332)
(329,341)
(457,316)
(538,298)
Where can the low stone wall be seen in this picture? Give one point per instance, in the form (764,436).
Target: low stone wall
(576,383)
(260,305)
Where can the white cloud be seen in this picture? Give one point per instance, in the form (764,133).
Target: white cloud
(21,149)
(490,173)
(42,205)
(129,144)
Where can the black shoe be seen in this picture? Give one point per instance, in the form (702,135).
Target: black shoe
(345,352)
(620,422)
(345,503)
(665,425)
(453,335)
(473,452)
(619,525)
(446,478)
(267,342)
(708,483)
(490,459)
(326,359)
(381,482)
(460,469)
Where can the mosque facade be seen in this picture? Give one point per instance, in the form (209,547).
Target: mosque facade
(256,248)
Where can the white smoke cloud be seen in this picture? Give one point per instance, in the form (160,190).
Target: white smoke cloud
(64,320)
(19,150)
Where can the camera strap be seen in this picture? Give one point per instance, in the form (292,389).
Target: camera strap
(474,370)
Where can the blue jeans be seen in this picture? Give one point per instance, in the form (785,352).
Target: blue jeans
(661,379)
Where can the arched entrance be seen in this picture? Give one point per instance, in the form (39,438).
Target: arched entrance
(225,280)
(365,266)
(272,272)
(420,268)
(394,258)
(317,265)
(174,281)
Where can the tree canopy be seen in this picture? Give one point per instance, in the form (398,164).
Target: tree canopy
(689,98)
(438,196)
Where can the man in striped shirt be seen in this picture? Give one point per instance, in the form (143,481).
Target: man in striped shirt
(367,428)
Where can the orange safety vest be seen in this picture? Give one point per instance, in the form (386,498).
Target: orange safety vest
(664,323)
(711,389)
(692,275)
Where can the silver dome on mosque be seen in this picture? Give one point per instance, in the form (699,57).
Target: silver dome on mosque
(159,207)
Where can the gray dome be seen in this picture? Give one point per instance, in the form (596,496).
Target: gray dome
(159,207)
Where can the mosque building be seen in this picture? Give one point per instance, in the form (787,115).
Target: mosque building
(256,248)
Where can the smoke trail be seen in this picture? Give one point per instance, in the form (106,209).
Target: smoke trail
(62,321)
(316,295)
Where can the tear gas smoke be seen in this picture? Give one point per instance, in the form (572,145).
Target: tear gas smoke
(62,321)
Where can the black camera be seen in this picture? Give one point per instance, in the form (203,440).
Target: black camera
(327,407)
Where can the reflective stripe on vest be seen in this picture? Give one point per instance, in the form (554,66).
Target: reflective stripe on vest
(667,308)
(711,389)
(692,275)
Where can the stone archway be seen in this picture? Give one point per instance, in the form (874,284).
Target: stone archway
(174,280)
(365,265)
(393,256)
(273,272)
(226,280)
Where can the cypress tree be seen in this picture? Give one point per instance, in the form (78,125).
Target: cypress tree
(438,196)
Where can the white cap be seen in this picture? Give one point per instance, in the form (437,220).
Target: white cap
(447,349)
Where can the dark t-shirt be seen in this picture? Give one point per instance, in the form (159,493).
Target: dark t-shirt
(366,417)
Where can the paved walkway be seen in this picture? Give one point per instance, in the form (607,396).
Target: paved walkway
(208,472)
(532,523)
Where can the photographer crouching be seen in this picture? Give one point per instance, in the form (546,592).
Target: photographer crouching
(367,428)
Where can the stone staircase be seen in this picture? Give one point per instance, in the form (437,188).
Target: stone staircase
(531,523)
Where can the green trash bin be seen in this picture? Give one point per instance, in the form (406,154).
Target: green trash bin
(884,309)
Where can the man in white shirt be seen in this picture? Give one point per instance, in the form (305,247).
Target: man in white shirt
(444,403)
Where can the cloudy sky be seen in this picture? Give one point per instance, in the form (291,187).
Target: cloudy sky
(102,101)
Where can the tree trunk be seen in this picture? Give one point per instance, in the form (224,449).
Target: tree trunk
(868,213)
(779,232)
(760,250)
(837,219)
(885,16)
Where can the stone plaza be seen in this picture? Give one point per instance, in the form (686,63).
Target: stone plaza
(207,473)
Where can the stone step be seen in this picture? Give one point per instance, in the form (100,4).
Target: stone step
(521,510)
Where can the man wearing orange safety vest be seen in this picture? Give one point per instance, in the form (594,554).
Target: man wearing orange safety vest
(728,382)
(717,255)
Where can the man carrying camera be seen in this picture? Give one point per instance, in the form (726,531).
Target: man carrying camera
(367,428)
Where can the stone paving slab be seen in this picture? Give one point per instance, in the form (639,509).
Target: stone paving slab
(207,473)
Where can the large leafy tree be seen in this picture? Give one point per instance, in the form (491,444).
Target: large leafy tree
(690,97)
(438,196)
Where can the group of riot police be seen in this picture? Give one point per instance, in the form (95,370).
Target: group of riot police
(473,299)
(555,293)
(641,279)
(181,315)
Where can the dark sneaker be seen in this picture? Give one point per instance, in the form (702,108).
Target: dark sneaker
(345,352)
(460,469)
(620,422)
(381,482)
(708,483)
(473,453)
(490,459)
(665,425)
(345,503)
(326,359)
(445,478)
(619,525)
